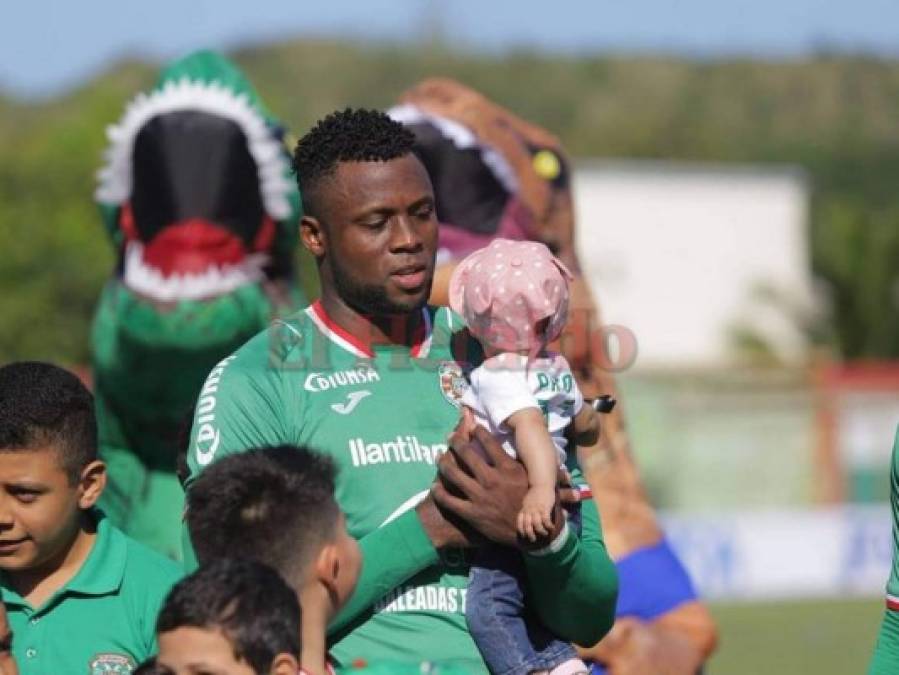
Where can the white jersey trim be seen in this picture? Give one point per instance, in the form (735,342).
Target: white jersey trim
(340,341)
(334,337)
(426,342)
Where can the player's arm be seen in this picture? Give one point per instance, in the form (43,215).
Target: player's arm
(419,534)
(574,584)
(397,551)
(391,555)
(537,452)
(886,651)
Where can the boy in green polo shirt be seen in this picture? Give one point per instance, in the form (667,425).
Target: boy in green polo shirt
(81,597)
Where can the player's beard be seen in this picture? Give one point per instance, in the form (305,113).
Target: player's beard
(370,299)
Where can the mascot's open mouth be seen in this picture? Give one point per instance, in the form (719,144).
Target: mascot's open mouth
(477,179)
(200,184)
(190,261)
(494,175)
(477,189)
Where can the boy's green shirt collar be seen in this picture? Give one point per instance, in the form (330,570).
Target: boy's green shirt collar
(100,574)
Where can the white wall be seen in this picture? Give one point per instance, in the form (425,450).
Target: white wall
(768,555)
(673,252)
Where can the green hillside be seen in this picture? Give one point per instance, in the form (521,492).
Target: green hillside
(837,117)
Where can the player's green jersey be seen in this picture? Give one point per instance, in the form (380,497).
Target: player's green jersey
(383,414)
(886,653)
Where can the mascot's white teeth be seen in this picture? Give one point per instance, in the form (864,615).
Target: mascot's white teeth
(462,138)
(215,281)
(185,94)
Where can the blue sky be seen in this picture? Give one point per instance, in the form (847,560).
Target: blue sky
(50,45)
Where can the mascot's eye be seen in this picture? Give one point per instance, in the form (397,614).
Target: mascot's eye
(547,164)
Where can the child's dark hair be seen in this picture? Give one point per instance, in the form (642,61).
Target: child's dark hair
(249,602)
(150,667)
(42,405)
(275,505)
(346,136)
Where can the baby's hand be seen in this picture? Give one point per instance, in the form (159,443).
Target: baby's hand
(466,426)
(535,518)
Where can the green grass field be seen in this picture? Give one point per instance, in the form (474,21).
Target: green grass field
(798,638)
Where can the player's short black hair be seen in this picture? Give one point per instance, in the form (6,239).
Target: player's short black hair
(351,135)
(249,602)
(42,405)
(275,505)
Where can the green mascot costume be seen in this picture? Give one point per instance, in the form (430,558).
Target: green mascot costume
(197,196)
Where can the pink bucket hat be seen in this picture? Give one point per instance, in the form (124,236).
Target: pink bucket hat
(503,290)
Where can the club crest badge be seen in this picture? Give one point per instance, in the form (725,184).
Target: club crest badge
(111,664)
(452,381)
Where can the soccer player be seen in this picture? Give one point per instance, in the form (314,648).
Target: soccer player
(80,596)
(886,651)
(230,616)
(372,376)
(276,505)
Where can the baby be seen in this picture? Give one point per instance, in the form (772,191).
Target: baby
(514,299)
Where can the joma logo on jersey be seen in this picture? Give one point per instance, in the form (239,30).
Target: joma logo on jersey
(342,378)
(402,450)
(207,433)
(352,400)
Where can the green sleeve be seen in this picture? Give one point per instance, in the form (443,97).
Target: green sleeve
(390,555)
(893,582)
(188,556)
(239,407)
(574,589)
(886,651)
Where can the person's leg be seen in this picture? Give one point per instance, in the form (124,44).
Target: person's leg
(510,642)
